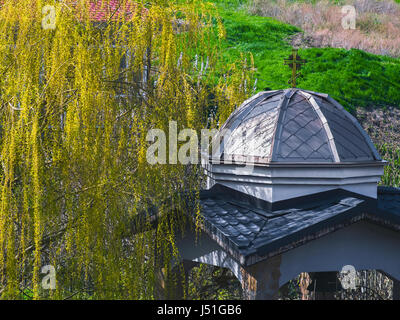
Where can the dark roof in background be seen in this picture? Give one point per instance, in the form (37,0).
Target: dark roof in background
(250,231)
(295,125)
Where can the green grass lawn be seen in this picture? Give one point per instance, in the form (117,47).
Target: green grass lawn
(353,77)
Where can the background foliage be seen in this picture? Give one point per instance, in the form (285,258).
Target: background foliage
(76,105)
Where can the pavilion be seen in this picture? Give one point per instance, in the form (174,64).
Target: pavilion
(293,188)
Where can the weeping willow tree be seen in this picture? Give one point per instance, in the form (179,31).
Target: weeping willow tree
(77,102)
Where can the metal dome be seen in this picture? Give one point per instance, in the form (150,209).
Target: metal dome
(293,126)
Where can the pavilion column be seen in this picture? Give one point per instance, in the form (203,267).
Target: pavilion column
(173,286)
(260,281)
(305,281)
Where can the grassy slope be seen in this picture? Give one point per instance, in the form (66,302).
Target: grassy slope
(353,77)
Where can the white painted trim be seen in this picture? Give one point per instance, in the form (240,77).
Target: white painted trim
(281,183)
(364,245)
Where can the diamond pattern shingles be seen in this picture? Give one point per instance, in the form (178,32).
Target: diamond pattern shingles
(259,130)
(350,143)
(298,125)
(302,137)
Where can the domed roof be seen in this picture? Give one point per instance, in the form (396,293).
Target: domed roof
(293,126)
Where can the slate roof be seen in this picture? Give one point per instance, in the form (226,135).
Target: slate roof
(251,229)
(295,126)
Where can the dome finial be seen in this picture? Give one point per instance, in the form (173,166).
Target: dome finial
(294,62)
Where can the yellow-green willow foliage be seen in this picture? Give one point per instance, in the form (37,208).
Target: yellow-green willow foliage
(76,105)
